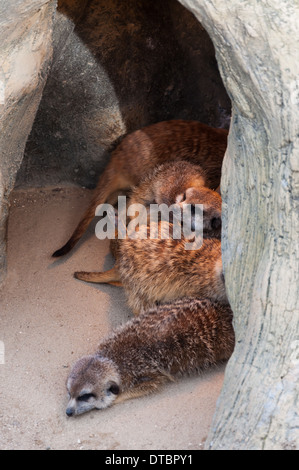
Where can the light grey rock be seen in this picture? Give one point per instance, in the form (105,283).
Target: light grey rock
(25,57)
(257,44)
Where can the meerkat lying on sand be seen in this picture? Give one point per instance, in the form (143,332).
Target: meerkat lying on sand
(166,342)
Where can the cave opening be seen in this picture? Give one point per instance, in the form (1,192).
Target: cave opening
(118,67)
(114,67)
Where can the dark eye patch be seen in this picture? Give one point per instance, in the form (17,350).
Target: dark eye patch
(86,397)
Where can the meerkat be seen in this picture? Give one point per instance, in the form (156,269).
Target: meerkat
(170,183)
(181,183)
(141,151)
(168,341)
(156,271)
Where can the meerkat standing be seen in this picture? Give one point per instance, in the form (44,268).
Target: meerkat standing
(141,151)
(184,337)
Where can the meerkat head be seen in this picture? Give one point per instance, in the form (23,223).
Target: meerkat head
(94,383)
(211,202)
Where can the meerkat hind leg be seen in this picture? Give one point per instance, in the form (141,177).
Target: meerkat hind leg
(108,277)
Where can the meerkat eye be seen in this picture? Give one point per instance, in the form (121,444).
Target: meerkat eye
(114,388)
(86,397)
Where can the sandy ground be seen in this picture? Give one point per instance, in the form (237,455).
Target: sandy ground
(48,320)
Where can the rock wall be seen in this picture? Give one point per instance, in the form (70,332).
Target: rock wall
(117,67)
(25,57)
(257,46)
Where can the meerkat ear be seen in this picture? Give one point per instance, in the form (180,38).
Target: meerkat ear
(189,193)
(180,198)
(114,388)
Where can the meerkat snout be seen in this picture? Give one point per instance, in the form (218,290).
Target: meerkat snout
(216,223)
(94,383)
(69,412)
(212,223)
(211,202)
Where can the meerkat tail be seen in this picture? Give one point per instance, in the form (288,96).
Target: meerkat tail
(108,184)
(80,229)
(108,277)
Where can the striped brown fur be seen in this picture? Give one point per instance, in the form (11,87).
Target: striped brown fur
(184,337)
(159,271)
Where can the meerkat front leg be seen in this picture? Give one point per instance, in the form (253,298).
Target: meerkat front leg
(108,277)
(146,385)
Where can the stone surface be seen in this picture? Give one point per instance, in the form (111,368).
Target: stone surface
(117,67)
(25,56)
(257,46)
